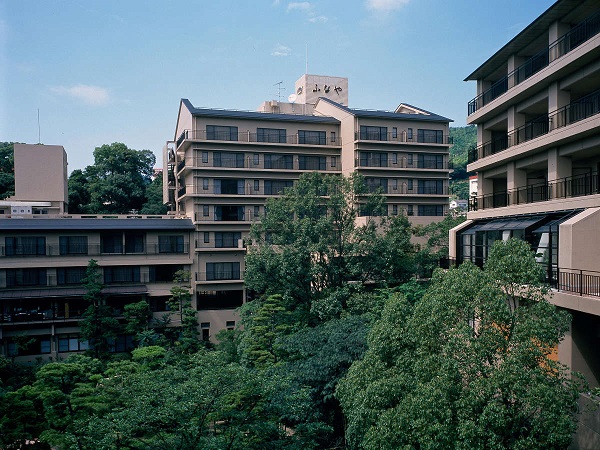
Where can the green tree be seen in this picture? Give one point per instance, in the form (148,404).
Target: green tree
(181,324)
(98,326)
(7,170)
(468,367)
(79,192)
(309,246)
(154,198)
(116,183)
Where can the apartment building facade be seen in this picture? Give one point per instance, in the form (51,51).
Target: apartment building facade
(537,112)
(223,165)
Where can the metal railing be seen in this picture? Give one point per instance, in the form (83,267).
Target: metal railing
(404,137)
(95,250)
(569,41)
(246,136)
(576,111)
(248,162)
(567,187)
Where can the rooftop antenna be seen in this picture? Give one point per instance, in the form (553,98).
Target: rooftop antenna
(279,89)
(39,129)
(306,60)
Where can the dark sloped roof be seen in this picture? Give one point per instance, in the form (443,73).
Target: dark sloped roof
(429,117)
(235,114)
(75,224)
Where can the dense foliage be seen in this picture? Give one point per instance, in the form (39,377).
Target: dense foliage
(119,181)
(7,171)
(464,139)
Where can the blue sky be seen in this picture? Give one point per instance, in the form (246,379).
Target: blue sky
(114,71)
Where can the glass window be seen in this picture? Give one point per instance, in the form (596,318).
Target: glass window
(276,161)
(333,137)
(171,244)
(228,159)
(394,132)
(256,185)
(409,134)
(256,211)
(227,239)
(275,135)
(163,273)
(111,243)
(256,159)
(431,187)
(205,210)
(410,184)
(431,210)
(69,275)
(395,210)
(334,161)
(26,277)
(121,274)
(277,187)
(134,242)
(73,245)
(373,159)
(409,210)
(394,158)
(25,245)
(221,133)
(312,162)
(206,237)
(223,271)
(205,157)
(205,184)
(371,133)
(430,136)
(312,137)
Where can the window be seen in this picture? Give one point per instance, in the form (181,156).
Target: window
(228,159)
(111,243)
(227,239)
(430,161)
(25,245)
(395,184)
(134,243)
(121,274)
(395,132)
(163,273)
(256,185)
(373,159)
(430,136)
(205,184)
(373,133)
(25,277)
(206,237)
(409,210)
(394,210)
(410,184)
(231,213)
(334,161)
(333,137)
(229,187)
(256,211)
(204,157)
(223,271)
(312,137)
(409,160)
(256,159)
(275,135)
(34,346)
(171,244)
(69,275)
(312,162)
(220,299)
(122,343)
(275,161)
(409,134)
(277,187)
(230,324)
(71,343)
(431,210)
(73,245)
(431,187)
(394,158)
(205,210)
(375,184)
(221,133)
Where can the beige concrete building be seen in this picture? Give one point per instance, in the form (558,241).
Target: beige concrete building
(223,165)
(537,113)
(44,253)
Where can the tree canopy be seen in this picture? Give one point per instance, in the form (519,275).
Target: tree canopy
(117,182)
(469,366)
(7,170)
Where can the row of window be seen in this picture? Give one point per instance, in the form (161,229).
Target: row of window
(270,160)
(374,133)
(129,242)
(65,276)
(39,345)
(270,135)
(384,159)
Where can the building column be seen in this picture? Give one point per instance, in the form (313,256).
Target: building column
(514,62)
(515,178)
(557,98)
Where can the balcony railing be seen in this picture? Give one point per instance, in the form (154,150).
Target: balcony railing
(248,216)
(248,162)
(568,187)
(245,137)
(92,250)
(581,109)
(404,163)
(575,37)
(403,137)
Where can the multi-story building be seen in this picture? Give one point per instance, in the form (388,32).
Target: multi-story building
(44,253)
(223,165)
(537,113)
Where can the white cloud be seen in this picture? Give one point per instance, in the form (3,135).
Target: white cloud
(91,95)
(301,6)
(318,19)
(275,3)
(385,5)
(281,50)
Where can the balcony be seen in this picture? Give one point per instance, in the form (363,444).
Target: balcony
(403,137)
(568,187)
(260,138)
(581,109)
(92,250)
(403,163)
(565,44)
(250,162)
